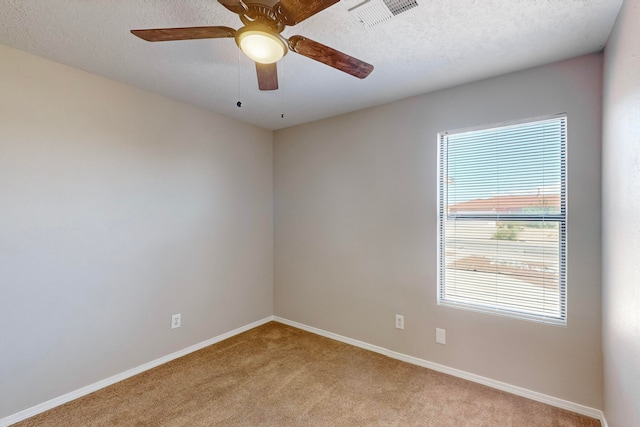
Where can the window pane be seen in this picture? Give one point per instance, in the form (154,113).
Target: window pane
(506,169)
(511,265)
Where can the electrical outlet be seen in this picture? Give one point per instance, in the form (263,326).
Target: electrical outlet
(399,321)
(440,336)
(175,320)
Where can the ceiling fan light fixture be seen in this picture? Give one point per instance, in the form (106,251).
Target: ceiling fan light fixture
(263,46)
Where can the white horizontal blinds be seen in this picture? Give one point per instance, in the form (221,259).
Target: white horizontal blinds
(502,219)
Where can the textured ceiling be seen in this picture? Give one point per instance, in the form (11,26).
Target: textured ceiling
(440,43)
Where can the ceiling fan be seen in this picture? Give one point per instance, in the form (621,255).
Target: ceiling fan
(260,38)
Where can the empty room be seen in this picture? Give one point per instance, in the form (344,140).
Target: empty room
(320,213)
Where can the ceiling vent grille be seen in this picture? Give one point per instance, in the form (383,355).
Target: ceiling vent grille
(374,12)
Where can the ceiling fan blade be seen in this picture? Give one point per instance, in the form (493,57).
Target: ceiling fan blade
(267,76)
(331,57)
(235,6)
(189,33)
(292,12)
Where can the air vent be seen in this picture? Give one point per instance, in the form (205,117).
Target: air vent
(374,12)
(398,6)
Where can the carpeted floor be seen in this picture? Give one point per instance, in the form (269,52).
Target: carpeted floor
(276,375)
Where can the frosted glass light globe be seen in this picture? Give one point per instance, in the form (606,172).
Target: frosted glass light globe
(261,46)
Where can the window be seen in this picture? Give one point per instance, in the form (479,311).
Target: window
(502,219)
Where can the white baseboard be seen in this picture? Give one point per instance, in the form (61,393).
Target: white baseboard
(519,391)
(60,400)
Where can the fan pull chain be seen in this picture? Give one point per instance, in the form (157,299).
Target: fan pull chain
(239,103)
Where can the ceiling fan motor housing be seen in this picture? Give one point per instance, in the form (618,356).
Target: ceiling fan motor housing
(262,14)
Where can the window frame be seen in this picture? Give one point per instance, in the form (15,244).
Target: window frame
(559,218)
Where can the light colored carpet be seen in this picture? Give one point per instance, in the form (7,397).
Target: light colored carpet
(276,375)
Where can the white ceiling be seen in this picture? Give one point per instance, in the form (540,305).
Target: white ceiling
(440,43)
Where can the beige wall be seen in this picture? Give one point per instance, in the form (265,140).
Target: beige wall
(356,222)
(119,208)
(621,220)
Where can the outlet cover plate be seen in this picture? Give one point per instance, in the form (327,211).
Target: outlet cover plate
(176,319)
(399,321)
